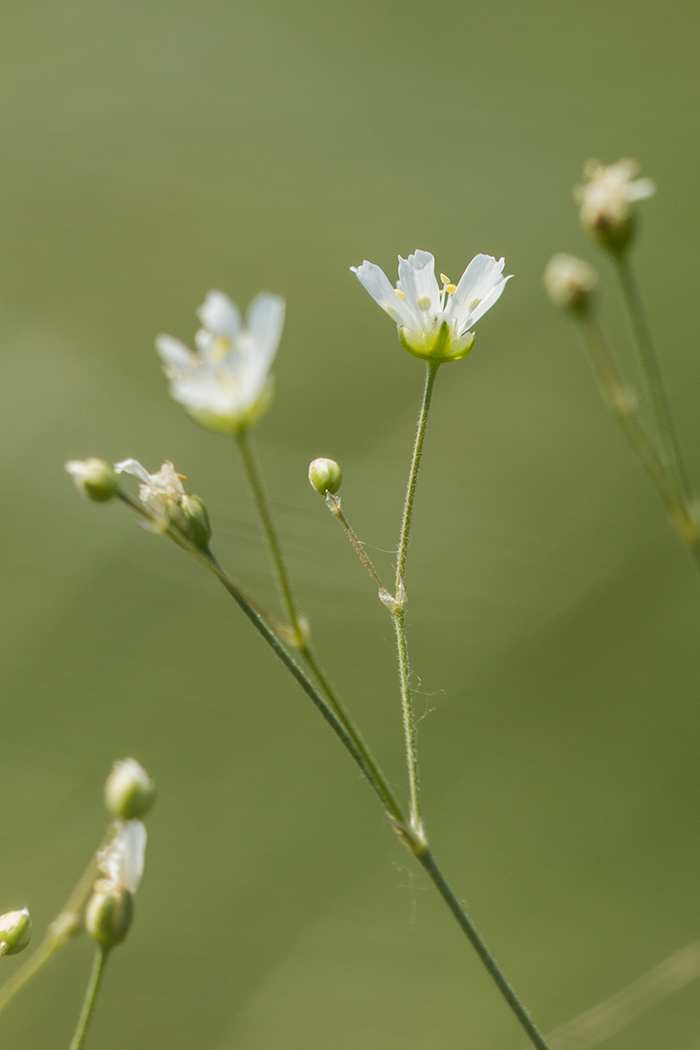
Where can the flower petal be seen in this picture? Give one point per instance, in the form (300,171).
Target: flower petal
(123,859)
(132,466)
(375,281)
(220,315)
(176,357)
(419,284)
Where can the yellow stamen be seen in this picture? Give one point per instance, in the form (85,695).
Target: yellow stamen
(423,303)
(450,288)
(445,279)
(474,303)
(219,348)
(181,477)
(399,293)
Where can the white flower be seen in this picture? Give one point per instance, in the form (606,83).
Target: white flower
(121,862)
(225,385)
(434,323)
(606,198)
(569,281)
(157,492)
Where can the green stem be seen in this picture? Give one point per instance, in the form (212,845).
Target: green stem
(652,374)
(428,862)
(90,999)
(261,502)
(299,633)
(348,739)
(409,724)
(623,403)
(430,374)
(333,503)
(62,930)
(397,612)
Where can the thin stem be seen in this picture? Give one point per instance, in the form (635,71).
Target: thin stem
(350,741)
(261,501)
(430,374)
(298,628)
(62,930)
(428,862)
(652,374)
(623,402)
(409,724)
(90,999)
(333,503)
(397,612)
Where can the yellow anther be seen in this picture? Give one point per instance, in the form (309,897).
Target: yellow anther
(445,279)
(474,303)
(399,293)
(450,288)
(423,303)
(181,477)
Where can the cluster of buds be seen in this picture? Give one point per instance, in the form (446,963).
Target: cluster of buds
(129,795)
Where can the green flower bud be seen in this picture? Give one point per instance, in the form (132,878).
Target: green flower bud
(325,476)
(95,478)
(109,913)
(189,515)
(15,931)
(570,282)
(129,791)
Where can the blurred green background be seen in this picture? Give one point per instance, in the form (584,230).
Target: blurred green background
(150,151)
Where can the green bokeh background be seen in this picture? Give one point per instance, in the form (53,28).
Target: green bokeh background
(150,151)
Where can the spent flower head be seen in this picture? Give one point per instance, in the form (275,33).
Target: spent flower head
(225,385)
(606,198)
(434,323)
(167,504)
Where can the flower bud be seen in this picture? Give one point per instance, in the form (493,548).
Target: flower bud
(95,478)
(129,791)
(569,282)
(109,913)
(189,515)
(325,475)
(15,931)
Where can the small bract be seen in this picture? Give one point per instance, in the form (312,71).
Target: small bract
(225,384)
(434,323)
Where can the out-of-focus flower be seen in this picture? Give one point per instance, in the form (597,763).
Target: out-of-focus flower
(225,384)
(129,791)
(434,323)
(605,200)
(110,910)
(570,282)
(94,478)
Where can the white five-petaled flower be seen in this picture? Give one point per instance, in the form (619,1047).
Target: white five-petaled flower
(434,323)
(157,492)
(225,385)
(121,862)
(611,188)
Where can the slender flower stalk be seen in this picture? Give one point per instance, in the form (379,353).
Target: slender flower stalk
(90,999)
(623,402)
(651,371)
(62,930)
(333,504)
(297,627)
